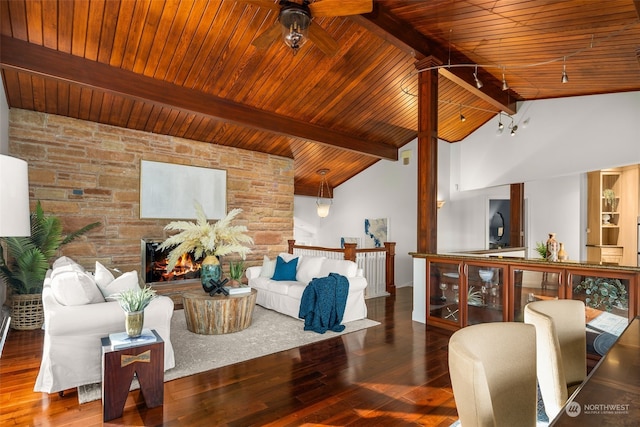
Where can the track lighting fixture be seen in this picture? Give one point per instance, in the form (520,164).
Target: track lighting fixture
(500,125)
(505,86)
(462,117)
(513,130)
(565,77)
(475,77)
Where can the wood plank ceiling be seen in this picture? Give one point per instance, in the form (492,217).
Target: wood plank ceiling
(187,68)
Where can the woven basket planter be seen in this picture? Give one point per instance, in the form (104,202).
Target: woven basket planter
(27,312)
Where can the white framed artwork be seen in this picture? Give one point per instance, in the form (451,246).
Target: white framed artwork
(376,232)
(168,191)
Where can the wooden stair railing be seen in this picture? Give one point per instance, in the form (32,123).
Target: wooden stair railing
(350,252)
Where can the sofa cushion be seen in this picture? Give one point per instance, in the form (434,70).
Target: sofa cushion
(285,270)
(308,268)
(341,266)
(296,289)
(102,276)
(268,267)
(75,288)
(126,281)
(66,264)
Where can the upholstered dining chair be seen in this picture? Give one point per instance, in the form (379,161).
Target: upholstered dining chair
(493,374)
(561,349)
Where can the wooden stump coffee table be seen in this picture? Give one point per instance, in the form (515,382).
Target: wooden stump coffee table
(218,314)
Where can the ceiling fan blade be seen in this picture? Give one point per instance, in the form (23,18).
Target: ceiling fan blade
(340,7)
(269,4)
(265,39)
(322,39)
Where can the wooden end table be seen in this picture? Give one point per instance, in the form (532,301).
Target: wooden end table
(218,314)
(146,361)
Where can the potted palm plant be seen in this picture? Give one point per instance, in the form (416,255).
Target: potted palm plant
(26,265)
(207,242)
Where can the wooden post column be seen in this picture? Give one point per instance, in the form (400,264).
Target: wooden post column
(516,220)
(427,155)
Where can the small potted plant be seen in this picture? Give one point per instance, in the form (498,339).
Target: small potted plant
(133,302)
(236,270)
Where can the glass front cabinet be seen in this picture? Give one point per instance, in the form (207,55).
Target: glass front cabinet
(464,291)
(461,294)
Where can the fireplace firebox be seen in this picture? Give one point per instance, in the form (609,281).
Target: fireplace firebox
(154,265)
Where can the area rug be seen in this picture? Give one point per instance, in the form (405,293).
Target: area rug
(270,332)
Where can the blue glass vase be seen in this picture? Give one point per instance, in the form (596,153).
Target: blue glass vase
(210,270)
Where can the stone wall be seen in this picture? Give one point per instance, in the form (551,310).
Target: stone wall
(84,172)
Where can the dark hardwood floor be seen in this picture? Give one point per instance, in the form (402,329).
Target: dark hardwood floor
(393,374)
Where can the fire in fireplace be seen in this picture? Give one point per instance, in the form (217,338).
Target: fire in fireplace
(154,264)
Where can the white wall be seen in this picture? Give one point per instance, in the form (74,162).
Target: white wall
(385,190)
(562,139)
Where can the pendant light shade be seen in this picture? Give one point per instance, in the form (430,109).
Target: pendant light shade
(325,200)
(14,197)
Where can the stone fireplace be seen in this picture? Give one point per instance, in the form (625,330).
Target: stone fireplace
(154,265)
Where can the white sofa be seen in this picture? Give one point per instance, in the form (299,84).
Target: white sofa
(284,296)
(77,316)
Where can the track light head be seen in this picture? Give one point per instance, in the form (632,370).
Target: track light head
(565,77)
(505,86)
(513,130)
(475,77)
(462,118)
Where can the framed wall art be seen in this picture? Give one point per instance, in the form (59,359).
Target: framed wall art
(376,232)
(168,191)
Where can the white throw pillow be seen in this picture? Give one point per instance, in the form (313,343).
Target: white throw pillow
(102,276)
(65,264)
(308,268)
(268,267)
(64,261)
(341,266)
(75,288)
(126,281)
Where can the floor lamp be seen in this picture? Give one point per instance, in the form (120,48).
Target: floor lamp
(14,208)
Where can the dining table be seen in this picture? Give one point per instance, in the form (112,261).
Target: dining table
(610,395)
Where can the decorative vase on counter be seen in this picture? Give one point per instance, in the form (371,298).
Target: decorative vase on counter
(562,255)
(134,320)
(211,270)
(552,248)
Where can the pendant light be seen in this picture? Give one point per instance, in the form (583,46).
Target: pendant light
(325,200)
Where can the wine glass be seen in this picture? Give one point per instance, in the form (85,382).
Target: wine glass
(443,287)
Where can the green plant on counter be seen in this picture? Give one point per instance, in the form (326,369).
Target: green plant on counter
(603,293)
(541,248)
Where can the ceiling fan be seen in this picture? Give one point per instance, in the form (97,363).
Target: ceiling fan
(295,22)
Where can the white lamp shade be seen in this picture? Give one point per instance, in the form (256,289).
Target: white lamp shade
(14,197)
(323,209)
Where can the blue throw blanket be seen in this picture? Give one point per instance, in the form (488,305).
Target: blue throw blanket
(323,303)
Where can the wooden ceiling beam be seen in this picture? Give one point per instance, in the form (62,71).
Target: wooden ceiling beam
(23,56)
(403,36)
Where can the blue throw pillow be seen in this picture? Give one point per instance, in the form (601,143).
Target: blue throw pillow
(285,270)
